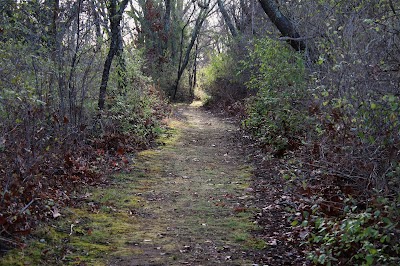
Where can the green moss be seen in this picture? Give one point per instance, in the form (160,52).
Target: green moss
(135,212)
(255,243)
(123,177)
(172,134)
(196,104)
(241,236)
(113,197)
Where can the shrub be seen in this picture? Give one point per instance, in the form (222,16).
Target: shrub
(275,114)
(137,114)
(221,82)
(359,237)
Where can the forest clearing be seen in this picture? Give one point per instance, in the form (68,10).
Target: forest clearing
(201,132)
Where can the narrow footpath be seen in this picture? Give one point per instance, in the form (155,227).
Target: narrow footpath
(186,202)
(194,191)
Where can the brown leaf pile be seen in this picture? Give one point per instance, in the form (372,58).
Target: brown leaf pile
(42,169)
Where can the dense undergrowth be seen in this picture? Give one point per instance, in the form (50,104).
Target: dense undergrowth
(43,175)
(220,86)
(47,155)
(337,144)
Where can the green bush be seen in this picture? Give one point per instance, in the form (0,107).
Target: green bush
(275,114)
(138,111)
(367,237)
(219,68)
(220,81)
(136,114)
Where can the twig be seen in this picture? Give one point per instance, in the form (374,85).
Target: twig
(10,241)
(285,38)
(27,206)
(71,230)
(335,172)
(392,7)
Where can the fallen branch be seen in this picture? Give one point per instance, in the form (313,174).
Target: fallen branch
(9,241)
(336,173)
(285,38)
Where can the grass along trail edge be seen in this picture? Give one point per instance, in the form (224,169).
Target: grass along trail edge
(186,203)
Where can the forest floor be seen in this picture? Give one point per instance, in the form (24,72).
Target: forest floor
(194,200)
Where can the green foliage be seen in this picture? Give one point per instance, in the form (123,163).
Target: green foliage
(274,115)
(361,237)
(221,81)
(136,114)
(138,111)
(17,82)
(220,67)
(374,120)
(377,116)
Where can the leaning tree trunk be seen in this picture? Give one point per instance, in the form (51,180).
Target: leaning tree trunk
(283,24)
(115,17)
(227,18)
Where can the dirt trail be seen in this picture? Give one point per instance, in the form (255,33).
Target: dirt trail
(185,203)
(194,211)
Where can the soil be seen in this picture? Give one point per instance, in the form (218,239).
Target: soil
(197,199)
(195,208)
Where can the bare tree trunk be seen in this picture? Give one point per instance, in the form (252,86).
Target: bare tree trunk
(167,26)
(115,17)
(227,18)
(71,85)
(194,70)
(97,21)
(121,66)
(182,66)
(105,76)
(56,56)
(283,24)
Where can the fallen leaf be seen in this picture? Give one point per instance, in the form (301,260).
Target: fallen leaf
(120,150)
(303,234)
(273,242)
(55,212)
(239,209)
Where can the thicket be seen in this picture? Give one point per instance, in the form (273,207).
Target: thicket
(275,113)
(222,80)
(53,138)
(169,34)
(331,116)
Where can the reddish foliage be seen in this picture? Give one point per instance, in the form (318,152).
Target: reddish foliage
(39,179)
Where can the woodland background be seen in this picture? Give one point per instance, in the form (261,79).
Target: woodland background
(84,84)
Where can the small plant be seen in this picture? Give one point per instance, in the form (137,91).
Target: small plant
(367,237)
(138,114)
(138,111)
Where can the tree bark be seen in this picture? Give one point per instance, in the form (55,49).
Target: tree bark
(115,17)
(199,22)
(97,22)
(71,85)
(167,21)
(227,18)
(283,24)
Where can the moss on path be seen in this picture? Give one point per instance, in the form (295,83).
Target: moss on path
(184,204)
